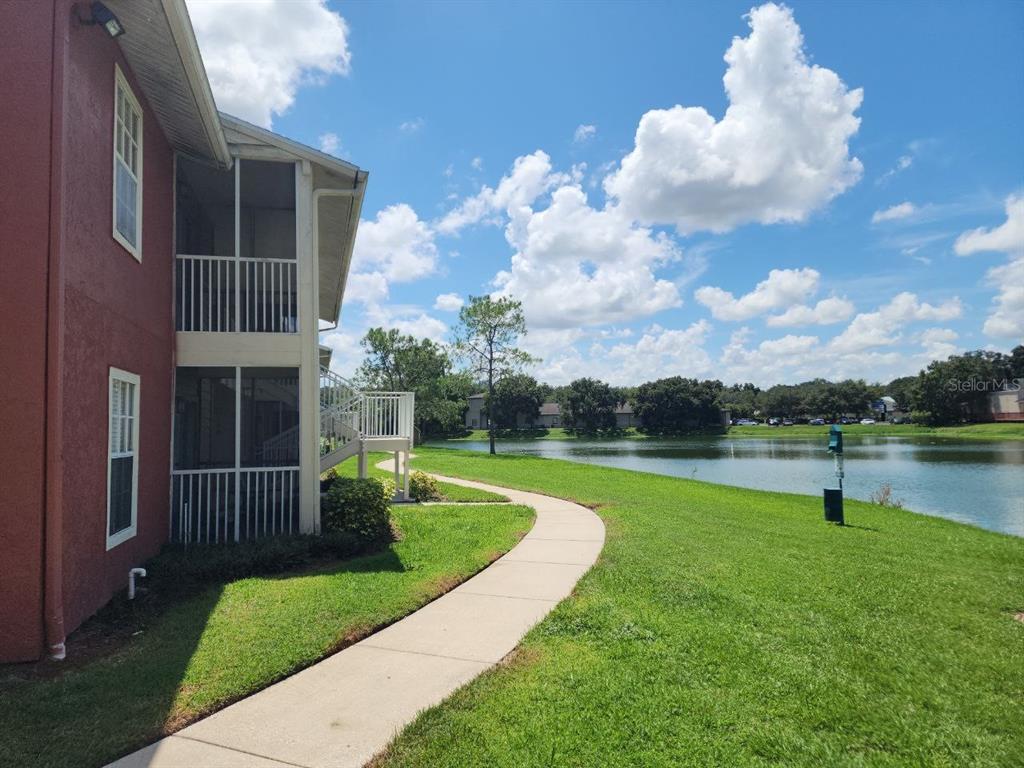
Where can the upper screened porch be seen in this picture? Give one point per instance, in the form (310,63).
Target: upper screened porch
(263,246)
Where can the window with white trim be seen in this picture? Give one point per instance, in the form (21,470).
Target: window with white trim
(127,166)
(122,457)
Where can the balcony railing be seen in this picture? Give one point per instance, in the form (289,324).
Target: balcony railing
(222,294)
(213,506)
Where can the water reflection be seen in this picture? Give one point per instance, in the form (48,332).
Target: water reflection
(974,482)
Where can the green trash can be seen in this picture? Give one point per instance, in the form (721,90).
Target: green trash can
(834,506)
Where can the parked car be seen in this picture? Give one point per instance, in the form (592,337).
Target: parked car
(773,422)
(745,423)
(817,422)
(847,420)
(787,422)
(867,421)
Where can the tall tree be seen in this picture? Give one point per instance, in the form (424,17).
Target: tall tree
(516,396)
(589,406)
(488,332)
(675,405)
(401,363)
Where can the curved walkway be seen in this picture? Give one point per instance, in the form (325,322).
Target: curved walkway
(345,709)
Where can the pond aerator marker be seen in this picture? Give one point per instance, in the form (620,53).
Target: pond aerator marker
(834,496)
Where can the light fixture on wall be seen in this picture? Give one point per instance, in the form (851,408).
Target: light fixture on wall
(100,14)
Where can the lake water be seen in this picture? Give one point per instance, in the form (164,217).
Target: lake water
(981,483)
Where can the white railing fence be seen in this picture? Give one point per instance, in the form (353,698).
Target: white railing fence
(224,294)
(214,506)
(387,414)
(364,414)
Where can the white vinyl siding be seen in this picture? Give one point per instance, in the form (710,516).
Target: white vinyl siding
(122,457)
(127,166)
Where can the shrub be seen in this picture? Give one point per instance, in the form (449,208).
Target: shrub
(327,478)
(184,568)
(883,497)
(423,487)
(360,507)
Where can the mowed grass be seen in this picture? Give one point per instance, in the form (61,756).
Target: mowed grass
(1001,431)
(725,626)
(454,493)
(231,640)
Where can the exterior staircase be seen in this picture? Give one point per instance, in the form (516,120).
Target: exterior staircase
(354,422)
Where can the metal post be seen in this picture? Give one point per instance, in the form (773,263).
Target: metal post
(238,447)
(406,472)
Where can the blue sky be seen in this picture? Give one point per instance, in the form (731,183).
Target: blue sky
(850,206)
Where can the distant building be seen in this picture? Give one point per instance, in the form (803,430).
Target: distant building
(550,416)
(887,409)
(1005,405)
(476,418)
(624,416)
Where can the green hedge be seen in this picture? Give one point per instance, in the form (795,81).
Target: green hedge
(179,568)
(360,507)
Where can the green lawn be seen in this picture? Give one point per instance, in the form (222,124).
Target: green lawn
(231,640)
(725,626)
(452,492)
(1004,431)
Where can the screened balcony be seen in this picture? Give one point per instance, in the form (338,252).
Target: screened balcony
(236,454)
(236,268)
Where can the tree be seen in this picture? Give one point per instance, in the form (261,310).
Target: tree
(402,363)
(675,405)
(516,397)
(488,332)
(741,400)
(948,391)
(589,406)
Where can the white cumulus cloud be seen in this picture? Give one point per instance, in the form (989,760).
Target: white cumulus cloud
(1006,319)
(782,289)
(884,326)
(893,213)
(583,133)
(396,244)
(576,265)
(258,53)
(827,311)
(1008,237)
(330,143)
(780,151)
(448,302)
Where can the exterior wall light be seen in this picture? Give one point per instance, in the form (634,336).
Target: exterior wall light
(100,14)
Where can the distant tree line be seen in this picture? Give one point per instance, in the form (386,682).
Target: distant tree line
(946,392)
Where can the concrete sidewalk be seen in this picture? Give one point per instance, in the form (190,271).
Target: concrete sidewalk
(347,708)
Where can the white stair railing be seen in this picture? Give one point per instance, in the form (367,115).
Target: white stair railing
(348,414)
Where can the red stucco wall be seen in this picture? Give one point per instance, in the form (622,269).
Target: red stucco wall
(117,312)
(73,302)
(26,52)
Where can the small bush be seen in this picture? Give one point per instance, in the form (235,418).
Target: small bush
(883,497)
(423,487)
(360,507)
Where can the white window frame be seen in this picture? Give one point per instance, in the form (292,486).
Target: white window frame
(121,84)
(116,374)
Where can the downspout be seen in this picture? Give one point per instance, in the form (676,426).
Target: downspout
(53,513)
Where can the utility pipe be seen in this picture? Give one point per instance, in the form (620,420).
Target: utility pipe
(131,580)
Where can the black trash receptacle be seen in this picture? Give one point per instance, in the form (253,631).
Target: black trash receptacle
(834,505)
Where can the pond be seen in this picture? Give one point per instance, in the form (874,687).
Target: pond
(981,483)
